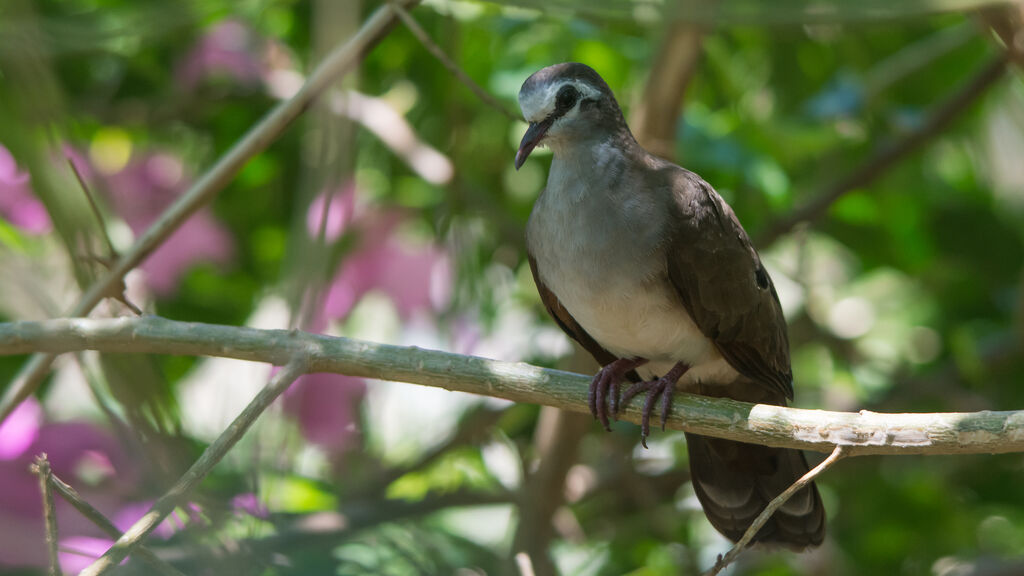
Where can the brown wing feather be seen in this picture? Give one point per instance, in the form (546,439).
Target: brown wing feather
(725,288)
(566,322)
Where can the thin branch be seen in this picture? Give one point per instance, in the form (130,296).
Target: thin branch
(556,443)
(210,457)
(112,252)
(774,505)
(341,60)
(328,529)
(120,291)
(41,468)
(70,495)
(524,565)
(655,120)
(394,131)
(890,154)
(818,430)
(448,63)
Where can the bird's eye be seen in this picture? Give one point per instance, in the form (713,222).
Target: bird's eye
(566,98)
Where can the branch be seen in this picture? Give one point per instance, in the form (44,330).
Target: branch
(210,457)
(556,443)
(70,495)
(450,64)
(888,155)
(774,505)
(334,66)
(41,468)
(655,119)
(296,534)
(984,432)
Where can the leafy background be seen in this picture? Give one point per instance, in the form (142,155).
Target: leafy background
(391,212)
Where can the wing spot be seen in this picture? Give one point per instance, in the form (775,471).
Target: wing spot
(761,275)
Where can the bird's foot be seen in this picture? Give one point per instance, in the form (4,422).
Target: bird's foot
(607,381)
(663,387)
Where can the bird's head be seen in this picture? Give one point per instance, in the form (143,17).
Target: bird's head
(565,103)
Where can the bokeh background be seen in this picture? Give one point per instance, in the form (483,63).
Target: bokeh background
(391,212)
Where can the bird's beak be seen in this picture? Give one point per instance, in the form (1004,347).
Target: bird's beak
(534,134)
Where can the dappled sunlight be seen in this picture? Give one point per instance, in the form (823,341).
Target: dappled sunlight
(341,176)
(384,122)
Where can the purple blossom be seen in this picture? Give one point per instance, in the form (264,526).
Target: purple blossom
(415,277)
(340,212)
(20,430)
(71,447)
(250,504)
(130,513)
(227,50)
(140,193)
(91,461)
(325,407)
(78,552)
(18,205)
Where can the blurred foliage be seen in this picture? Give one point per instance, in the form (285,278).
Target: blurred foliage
(904,296)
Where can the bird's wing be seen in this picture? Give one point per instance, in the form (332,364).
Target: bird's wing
(565,320)
(725,288)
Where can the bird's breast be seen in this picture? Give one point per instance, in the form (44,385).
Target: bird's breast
(614,283)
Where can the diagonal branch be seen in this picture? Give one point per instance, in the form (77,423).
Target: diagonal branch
(890,154)
(818,430)
(70,495)
(774,505)
(210,457)
(448,63)
(655,118)
(557,443)
(341,60)
(41,468)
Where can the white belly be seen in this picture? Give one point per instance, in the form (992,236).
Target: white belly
(599,252)
(633,318)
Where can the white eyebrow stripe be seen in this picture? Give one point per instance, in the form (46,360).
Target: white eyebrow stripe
(539,104)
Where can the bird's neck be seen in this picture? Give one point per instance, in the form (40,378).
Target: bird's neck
(579,164)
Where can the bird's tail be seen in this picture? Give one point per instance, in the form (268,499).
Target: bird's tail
(734,482)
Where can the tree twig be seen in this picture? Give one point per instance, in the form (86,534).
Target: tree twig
(888,155)
(448,63)
(70,495)
(213,454)
(655,120)
(120,291)
(556,443)
(335,65)
(93,207)
(818,430)
(41,468)
(770,509)
(329,528)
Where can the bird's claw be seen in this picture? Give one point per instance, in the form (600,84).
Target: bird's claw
(605,382)
(664,387)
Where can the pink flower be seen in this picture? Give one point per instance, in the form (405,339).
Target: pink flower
(250,504)
(20,429)
(325,406)
(414,277)
(18,205)
(140,193)
(129,514)
(227,50)
(72,448)
(78,552)
(340,211)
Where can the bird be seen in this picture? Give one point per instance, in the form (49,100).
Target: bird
(643,264)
